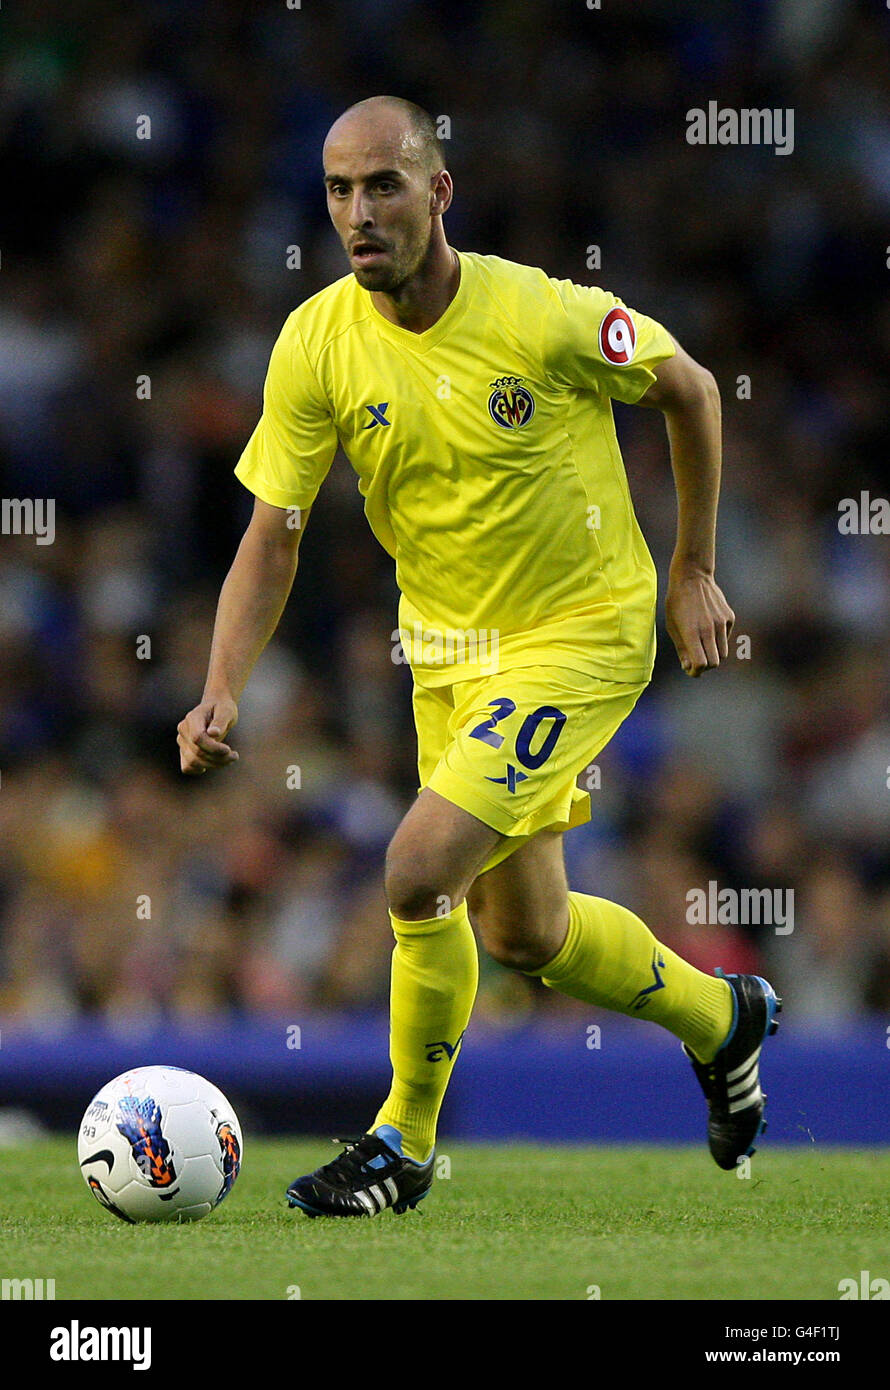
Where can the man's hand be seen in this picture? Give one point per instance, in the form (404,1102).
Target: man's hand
(699,620)
(202,733)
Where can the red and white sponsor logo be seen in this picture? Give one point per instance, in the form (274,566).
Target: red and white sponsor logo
(618,337)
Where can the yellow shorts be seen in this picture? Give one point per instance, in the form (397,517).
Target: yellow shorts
(509,748)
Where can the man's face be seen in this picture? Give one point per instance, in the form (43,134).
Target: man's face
(379,198)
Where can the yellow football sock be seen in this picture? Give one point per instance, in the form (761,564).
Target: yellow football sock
(611,958)
(435,973)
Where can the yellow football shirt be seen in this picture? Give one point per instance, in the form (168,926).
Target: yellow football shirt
(486,453)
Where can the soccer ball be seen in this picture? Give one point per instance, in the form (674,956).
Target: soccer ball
(159,1144)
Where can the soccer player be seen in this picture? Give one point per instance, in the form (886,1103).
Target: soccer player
(473,398)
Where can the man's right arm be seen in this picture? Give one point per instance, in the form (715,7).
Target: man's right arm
(251,603)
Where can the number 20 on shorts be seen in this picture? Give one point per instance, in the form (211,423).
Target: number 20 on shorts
(502,708)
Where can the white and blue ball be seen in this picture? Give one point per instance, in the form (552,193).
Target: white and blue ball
(159,1144)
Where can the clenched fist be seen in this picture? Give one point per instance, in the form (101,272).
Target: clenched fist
(201,736)
(699,621)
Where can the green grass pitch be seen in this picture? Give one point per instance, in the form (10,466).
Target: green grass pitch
(511,1222)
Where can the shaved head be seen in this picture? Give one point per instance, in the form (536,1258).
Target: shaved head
(387,188)
(413,128)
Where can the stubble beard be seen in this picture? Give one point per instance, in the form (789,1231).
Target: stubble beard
(389,279)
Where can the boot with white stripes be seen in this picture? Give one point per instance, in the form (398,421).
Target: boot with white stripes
(370,1175)
(731,1082)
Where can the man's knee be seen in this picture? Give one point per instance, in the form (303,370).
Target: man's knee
(418,882)
(415,893)
(514,938)
(433,858)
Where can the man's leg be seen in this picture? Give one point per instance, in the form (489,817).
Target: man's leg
(600,952)
(587,947)
(434,856)
(593,949)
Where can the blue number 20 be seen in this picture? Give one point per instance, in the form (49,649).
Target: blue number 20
(503,708)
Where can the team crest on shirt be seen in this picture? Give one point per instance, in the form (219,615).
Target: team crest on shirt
(511,405)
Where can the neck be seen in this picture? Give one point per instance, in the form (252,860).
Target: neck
(421,301)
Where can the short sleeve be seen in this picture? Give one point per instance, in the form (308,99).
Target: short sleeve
(289,453)
(594,341)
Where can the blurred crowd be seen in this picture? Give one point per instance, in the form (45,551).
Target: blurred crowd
(125,888)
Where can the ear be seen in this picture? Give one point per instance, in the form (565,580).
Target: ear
(441,192)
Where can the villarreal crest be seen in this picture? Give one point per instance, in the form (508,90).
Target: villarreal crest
(511,405)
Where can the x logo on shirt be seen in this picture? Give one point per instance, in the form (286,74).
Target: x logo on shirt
(379,415)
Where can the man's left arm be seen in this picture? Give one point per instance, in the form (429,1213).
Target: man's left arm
(699,620)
